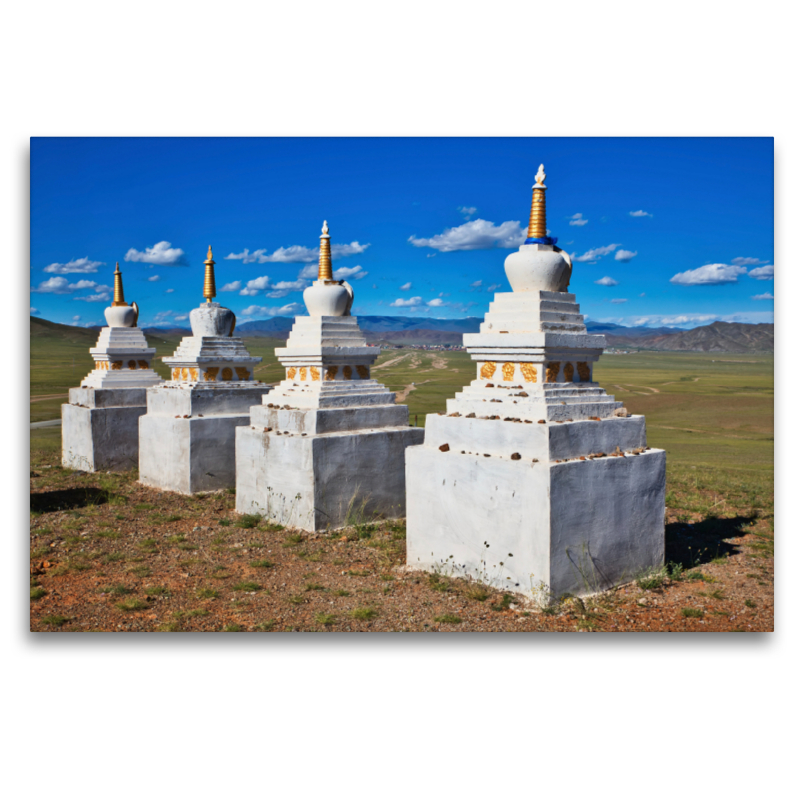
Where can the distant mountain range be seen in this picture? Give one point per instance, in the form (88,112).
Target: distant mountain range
(719,337)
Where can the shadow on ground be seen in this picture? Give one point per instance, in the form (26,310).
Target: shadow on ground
(702,542)
(65,499)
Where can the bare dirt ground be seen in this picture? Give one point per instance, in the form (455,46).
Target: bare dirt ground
(108,554)
(401,396)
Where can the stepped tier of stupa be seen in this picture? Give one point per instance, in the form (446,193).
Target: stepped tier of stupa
(535,479)
(100,424)
(188,434)
(327,445)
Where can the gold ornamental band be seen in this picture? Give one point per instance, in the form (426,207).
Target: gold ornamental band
(209,285)
(325,273)
(537,223)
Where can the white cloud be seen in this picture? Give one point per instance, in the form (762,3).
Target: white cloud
(747,261)
(577,219)
(168,291)
(765,296)
(405,287)
(76,318)
(593,255)
(103,295)
(296,254)
(475,235)
(620,300)
(154,278)
(288,310)
(61,285)
(76,265)
(282,288)
(476,285)
(349,273)
(162,316)
(233,286)
(310,272)
(494,287)
(639,214)
(181,318)
(412,302)
(255,286)
(34,311)
(431,255)
(606,281)
(161,253)
(708,275)
(435,303)
(766,273)
(693,320)
(642,295)
(625,255)
(467,211)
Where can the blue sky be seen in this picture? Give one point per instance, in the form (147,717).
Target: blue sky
(675,231)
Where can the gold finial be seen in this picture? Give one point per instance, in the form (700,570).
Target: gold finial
(119,295)
(325,273)
(209,286)
(537,224)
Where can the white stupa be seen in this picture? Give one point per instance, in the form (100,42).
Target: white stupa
(100,424)
(536,480)
(327,445)
(187,436)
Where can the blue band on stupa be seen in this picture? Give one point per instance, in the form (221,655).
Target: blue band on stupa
(542,240)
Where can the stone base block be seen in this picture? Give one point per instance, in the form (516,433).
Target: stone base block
(540,528)
(315,482)
(100,439)
(189,455)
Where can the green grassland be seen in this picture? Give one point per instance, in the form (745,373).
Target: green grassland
(712,413)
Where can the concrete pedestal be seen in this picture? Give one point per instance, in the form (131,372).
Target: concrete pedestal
(100,429)
(187,437)
(316,469)
(327,448)
(533,508)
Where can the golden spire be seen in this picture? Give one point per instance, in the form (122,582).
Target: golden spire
(537,224)
(325,273)
(119,295)
(209,287)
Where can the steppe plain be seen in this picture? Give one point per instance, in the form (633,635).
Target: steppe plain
(110,555)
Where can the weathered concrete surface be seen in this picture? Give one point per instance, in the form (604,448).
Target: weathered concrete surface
(542,528)
(100,439)
(189,455)
(320,481)
(187,438)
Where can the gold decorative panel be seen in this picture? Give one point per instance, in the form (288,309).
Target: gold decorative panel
(242,373)
(116,365)
(487,369)
(211,374)
(363,372)
(176,374)
(290,373)
(131,364)
(569,371)
(552,371)
(184,373)
(330,373)
(193,373)
(303,373)
(314,373)
(508,371)
(143,364)
(227,374)
(528,372)
(347,372)
(584,372)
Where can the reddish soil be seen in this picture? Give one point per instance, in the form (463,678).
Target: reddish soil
(110,555)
